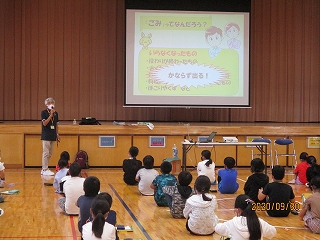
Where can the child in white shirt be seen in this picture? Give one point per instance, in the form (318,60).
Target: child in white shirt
(206,166)
(146,175)
(240,227)
(99,228)
(199,209)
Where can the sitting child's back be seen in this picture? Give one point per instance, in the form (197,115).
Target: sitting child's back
(246,225)
(178,195)
(301,170)
(257,180)
(131,166)
(199,209)
(227,177)
(206,166)
(99,228)
(279,194)
(63,171)
(66,156)
(91,187)
(310,211)
(164,179)
(146,175)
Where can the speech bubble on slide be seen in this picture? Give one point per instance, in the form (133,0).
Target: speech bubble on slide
(188,75)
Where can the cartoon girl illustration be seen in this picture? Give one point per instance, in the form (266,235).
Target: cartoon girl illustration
(213,38)
(232,30)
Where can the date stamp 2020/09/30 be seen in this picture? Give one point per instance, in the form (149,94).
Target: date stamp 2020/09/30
(278,206)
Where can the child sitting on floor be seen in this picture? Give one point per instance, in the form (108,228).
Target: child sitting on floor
(227,177)
(257,180)
(199,209)
(206,166)
(301,170)
(244,225)
(99,228)
(178,195)
(146,175)
(73,189)
(63,166)
(131,166)
(279,195)
(91,188)
(310,212)
(164,179)
(64,155)
(112,216)
(313,170)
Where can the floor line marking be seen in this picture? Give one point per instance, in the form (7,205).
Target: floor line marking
(241,180)
(73,229)
(300,228)
(221,199)
(131,213)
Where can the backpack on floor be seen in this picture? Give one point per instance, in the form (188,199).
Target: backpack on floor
(82,159)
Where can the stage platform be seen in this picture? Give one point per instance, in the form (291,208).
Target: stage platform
(20,143)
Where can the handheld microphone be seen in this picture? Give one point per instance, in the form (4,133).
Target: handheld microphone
(52,107)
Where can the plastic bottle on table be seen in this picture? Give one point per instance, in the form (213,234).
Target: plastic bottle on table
(175,151)
(74,121)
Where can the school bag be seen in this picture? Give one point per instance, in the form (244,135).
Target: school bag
(89,121)
(82,159)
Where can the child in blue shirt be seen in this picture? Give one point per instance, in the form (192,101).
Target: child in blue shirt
(227,177)
(91,188)
(63,171)
(162,180)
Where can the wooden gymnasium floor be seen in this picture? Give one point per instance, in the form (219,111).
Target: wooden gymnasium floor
(34,212)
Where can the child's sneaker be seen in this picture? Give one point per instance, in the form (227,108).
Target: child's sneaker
(293,181)
(47,172)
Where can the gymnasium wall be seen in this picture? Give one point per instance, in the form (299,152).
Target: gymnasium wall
(74,52)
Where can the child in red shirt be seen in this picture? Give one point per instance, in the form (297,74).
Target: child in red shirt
(300,170)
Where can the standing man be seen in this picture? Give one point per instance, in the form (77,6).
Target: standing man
(49,134)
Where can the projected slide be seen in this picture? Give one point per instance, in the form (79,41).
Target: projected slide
(187,59)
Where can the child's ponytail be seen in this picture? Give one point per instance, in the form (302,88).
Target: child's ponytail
(244,203)
(207,155)
(202,185)
(98,224)
(209,162)
(99,209)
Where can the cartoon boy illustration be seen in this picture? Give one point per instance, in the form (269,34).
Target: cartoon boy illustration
(232,30)
(213,38)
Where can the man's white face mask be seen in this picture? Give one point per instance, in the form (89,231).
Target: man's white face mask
(50,106)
